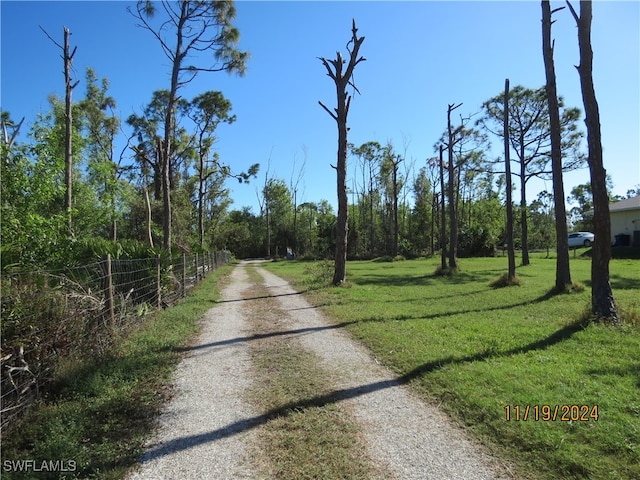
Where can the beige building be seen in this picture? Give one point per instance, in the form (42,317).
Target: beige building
(625,220)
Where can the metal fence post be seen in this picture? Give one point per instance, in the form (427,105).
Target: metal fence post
(196,262)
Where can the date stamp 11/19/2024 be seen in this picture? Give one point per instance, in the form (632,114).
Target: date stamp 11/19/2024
(551,413)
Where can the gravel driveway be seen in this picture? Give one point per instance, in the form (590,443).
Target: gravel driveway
(207,428)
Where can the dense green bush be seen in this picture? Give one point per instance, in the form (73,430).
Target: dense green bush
(476,242)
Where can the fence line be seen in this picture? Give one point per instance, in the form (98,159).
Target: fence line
(79,312)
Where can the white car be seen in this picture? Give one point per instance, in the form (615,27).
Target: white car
(580,239)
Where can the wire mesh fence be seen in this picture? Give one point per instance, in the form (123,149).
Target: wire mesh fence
(79,312)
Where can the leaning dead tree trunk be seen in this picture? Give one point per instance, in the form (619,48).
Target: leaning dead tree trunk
(68,123)
(563,271)
(602,303)
(511,276)
(342,80)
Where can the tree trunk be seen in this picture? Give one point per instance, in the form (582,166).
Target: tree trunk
(394,244)
(114,229)
(602,302)
(268,229)
(372,228)
(167,147)
(443,218)
(342,227)
(507,165)
(434,210)
(201,192)
(340,116)
(295,221)
(166,195)
(68,131)
(166,206)
(523,207)
(453,214)
(563,271)
(148,203)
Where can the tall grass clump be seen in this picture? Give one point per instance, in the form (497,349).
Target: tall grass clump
(318,274)
(505,281)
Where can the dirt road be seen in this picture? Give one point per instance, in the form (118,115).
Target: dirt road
(208,429)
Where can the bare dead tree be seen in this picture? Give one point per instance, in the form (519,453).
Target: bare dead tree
(342,80)
(68,122)
(263,202)
(443,217)
(294,185)
(602,302)
(395,162)
(563,271)
(453,211)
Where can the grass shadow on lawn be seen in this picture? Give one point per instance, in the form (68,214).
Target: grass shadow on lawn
(621,372)
(400,279)
(618,282)
(380,318)
(556,337)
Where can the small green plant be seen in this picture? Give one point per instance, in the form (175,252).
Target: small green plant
(575,287)
(446,271)
(319,274)
(629,316)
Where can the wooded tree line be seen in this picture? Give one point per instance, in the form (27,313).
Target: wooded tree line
(66,190)
(66,187)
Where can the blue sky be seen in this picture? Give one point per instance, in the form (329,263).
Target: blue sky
(421,56)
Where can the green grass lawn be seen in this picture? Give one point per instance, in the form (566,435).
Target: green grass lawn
(479,351)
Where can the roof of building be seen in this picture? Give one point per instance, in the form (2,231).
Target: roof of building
(632,203)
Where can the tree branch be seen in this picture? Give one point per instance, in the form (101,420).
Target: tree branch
(50,38)
(573,12)
(9,141)
(335,117)
(326,65)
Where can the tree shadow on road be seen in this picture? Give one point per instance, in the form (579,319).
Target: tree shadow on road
(190,441)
